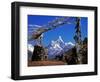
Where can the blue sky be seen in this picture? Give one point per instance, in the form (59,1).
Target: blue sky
(66,31)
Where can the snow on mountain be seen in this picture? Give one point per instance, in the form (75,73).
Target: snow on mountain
(30,48)
(30,51)
(58,46)
(60,39)
(70,43)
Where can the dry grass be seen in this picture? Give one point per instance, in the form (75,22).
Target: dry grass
(45,63)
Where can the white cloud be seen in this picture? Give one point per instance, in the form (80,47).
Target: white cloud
(32,25)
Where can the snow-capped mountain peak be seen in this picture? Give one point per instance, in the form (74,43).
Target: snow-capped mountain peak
(57,43)
(70,43)
(60,39)
(58,47)
(30,48)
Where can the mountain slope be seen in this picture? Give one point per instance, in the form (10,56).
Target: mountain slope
(30,51)
(58,47)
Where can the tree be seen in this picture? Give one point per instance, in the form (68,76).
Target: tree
(85,40)
(38,53)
